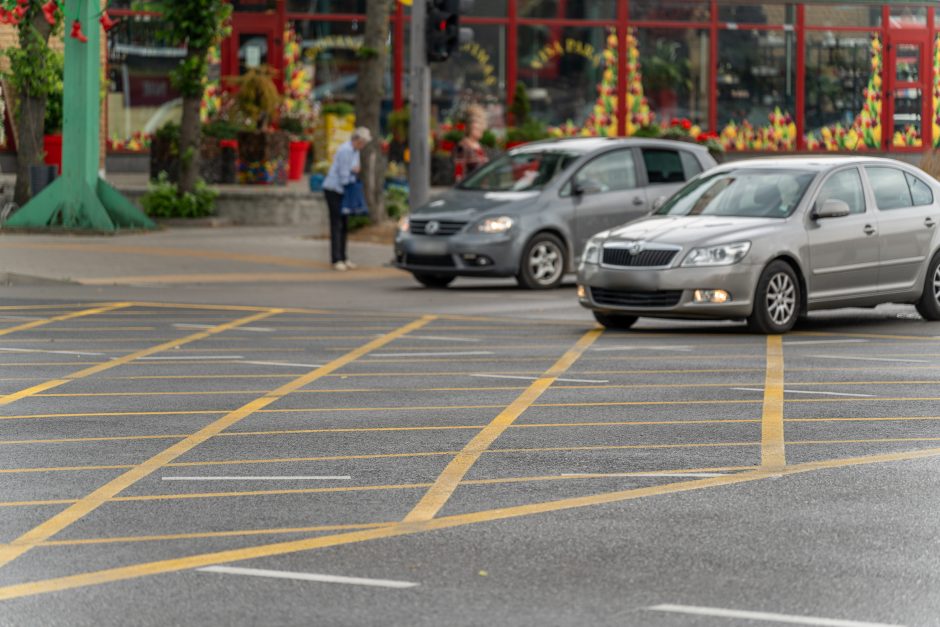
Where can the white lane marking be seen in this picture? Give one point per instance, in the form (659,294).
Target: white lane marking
(209,326)
(665,347)
(34,350)
(178,357)
(280,574)
(463,354)
(807,392)
(270,478)
(768,616)
(805,342)
(439,338)
(510,376)
(846,358)
(281,363)
(21,318)
(643,474)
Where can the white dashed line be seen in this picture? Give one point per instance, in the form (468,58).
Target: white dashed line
(34,350)
(438,338)
(905,361)
(510,376)
(643,474)
(697,610)
(280,574)
(806,342)
(281,363)
(807,392)
(275,478)
(463,354)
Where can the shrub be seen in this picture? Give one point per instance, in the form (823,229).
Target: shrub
(163,200)
(396,201)
(337,108)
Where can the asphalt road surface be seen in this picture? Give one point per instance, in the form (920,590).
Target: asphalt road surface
(480,456)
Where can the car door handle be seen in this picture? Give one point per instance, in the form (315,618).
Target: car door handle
(637,201)
(929,223)
(869,229)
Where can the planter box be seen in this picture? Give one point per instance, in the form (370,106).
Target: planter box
(263,157)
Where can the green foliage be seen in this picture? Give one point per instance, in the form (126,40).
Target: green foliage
(520,108)
(358,222)
(294,126)
(341,109)
(650,130)
(674,132)
(666,68)
(489,139)
(396,201)
(163,200)
(222,129)
(199,25)
(365,52)
(531,131)
(35,69)
(54,111)
(257,99)
(453,135)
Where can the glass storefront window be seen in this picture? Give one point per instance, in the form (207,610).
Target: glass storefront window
(843,15)
(489,8)
(476,75)
(756,90)
(564,68)
(675,73)
(141,97)
(908,17)
(744,12)
(670,10)
(324,7)
(568,9)
(330,47)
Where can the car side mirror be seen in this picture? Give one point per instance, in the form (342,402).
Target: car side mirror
(659,202)
(832,208)
(585,186)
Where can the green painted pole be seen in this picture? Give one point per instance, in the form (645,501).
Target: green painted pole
(79,199)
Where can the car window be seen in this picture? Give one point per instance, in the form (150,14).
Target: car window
(690,164)
(890,187)
(610,172)
(745,192)
(663,166)
(845,186)
(518,172)
(920,191)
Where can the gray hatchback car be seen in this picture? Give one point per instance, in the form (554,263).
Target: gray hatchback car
(769,240)
(528,213)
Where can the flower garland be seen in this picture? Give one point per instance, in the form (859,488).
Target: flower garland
(779,135)
(936,92)
(297,84)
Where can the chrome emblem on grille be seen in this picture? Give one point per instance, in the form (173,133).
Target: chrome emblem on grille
(432,227)
(636,248)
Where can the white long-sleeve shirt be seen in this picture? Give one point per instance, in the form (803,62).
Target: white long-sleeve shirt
(342,170)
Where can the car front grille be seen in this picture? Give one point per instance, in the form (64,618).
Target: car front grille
(643,259)
(444,227)
(437,261)
(621,298)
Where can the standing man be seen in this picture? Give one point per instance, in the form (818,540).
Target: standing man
(342,172)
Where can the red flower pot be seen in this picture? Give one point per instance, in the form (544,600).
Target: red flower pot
(52,145)
(298,159)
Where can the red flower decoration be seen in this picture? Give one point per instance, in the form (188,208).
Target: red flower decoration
(77,32)
(686,124)
(49,10)
(106,22)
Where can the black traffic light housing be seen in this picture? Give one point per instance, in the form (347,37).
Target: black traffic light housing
(442,29)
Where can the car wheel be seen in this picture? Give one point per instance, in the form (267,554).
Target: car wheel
(929,304)
(776,300)
(433,280)
(543,263)
(615,321)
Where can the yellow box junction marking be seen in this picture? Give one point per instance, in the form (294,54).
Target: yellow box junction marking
(435,498)
(405,529)
(772,450)
(114,487)
(26,326)
(120,361)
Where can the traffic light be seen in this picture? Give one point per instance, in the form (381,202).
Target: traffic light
(442,29)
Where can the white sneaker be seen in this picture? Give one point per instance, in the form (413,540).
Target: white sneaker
(340,266)
(350,265)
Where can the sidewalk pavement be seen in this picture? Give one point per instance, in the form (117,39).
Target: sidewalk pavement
(177,256)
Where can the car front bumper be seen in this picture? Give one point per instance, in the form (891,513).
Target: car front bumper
(462,254)
(668,293)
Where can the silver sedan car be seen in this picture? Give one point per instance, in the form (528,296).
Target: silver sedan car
(770,240)
(528,213)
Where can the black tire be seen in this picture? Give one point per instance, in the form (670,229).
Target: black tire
(543,264)
(615,322)
(433,280)
(929,304)
(777,300)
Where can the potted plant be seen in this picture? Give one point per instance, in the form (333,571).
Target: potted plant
(299,145)
(262,150)
(665,72)
(524,128)
(52,138)
(165,153)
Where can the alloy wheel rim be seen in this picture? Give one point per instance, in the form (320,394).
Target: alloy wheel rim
(781,298)
(936,285)
(545,263)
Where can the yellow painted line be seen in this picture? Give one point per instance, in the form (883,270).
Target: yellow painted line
(444,486)
(91,502)
(772,449)
(120,361)
(211,534)
(33,307)
(243,277)
(405,529)
(26,326)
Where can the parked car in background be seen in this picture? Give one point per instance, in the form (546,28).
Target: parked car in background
(770,240)
(528,213)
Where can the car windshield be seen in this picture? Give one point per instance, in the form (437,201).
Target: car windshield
(746,193)
(519,172)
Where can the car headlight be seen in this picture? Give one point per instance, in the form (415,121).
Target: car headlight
(404,224)
(592,252)
(723,255)
(495,225)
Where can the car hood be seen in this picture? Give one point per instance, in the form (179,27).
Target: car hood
(693,230)
(466,204)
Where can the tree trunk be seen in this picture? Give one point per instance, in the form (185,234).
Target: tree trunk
(191,133)
(369,94)
(30,126)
